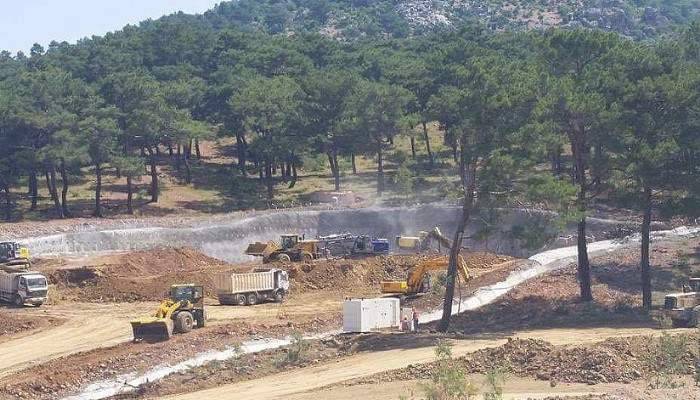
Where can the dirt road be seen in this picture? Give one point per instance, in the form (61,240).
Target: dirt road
(282,386)
(87,326)
(515,388)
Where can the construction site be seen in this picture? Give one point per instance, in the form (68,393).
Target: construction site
(260,306)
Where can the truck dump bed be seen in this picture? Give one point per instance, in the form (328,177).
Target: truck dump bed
(232,283)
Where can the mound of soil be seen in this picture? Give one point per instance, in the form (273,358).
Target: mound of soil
(369,272)
(14,323)
(136,276)
(613,360)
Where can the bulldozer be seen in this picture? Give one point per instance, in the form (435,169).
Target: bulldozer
(182,311)
(13,256)
(418,281)
(292,247)
(423,241)
(684,308)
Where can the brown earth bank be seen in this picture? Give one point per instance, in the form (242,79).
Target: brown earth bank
(146,275)
(553,299)
(614,360)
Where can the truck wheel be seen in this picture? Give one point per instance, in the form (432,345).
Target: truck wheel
(18,300)
(240,300)
(284,258)
(252,299)
(306,257)
(184,322)
(279,296)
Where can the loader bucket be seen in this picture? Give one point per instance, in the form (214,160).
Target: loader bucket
(257,249)
(152,329)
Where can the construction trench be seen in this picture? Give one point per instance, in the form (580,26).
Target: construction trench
(227,239)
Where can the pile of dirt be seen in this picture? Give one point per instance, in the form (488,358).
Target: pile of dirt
(613,360)
(136,276)
(368,272)
(14,323)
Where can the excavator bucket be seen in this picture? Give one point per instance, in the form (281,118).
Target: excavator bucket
(151,329)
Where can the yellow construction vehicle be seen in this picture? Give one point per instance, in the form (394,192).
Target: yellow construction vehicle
(423,241)
(13,256)
(182,311)
(418,278)
(684,308)
(292,247)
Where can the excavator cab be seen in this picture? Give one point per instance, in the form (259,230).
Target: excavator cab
(180,313)
(12,253)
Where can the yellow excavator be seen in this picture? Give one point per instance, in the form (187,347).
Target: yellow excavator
(180,313)
(418,278)
(423,241)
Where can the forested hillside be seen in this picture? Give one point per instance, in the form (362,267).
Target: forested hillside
(352,19)
(606,113)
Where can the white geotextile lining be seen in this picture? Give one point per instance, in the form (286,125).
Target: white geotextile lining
(543,262)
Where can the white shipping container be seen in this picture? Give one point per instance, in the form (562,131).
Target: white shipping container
(366,315)
(231,283)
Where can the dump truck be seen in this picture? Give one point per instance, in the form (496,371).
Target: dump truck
(423,241)
(418,281)
(182,311)
(12,254)
(292,247)
(349,245)
(253,287)
(684,308)
(23,287)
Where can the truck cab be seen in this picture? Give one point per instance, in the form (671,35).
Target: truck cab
(30,287)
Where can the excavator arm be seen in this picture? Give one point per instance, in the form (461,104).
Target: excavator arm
(417,274)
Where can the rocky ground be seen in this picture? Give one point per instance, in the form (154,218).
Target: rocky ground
(621,360)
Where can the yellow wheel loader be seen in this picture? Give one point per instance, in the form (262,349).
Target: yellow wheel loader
(292,247)
(180,313)
(419,280)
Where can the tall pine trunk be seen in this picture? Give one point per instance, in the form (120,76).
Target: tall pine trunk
(64,189)
(294,175)
(129,195)
(269,182)
(98,190)
(467,171)
(54,192)
(33,189)
(335,170)
(8,202)
(154,175)
(352,161)
(197,151)
(413,147)
(380,169)
(645,266)
(427,144)
(186,162)
(241,150)
(578,146)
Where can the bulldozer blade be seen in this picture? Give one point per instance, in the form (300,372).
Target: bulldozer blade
(152,329)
